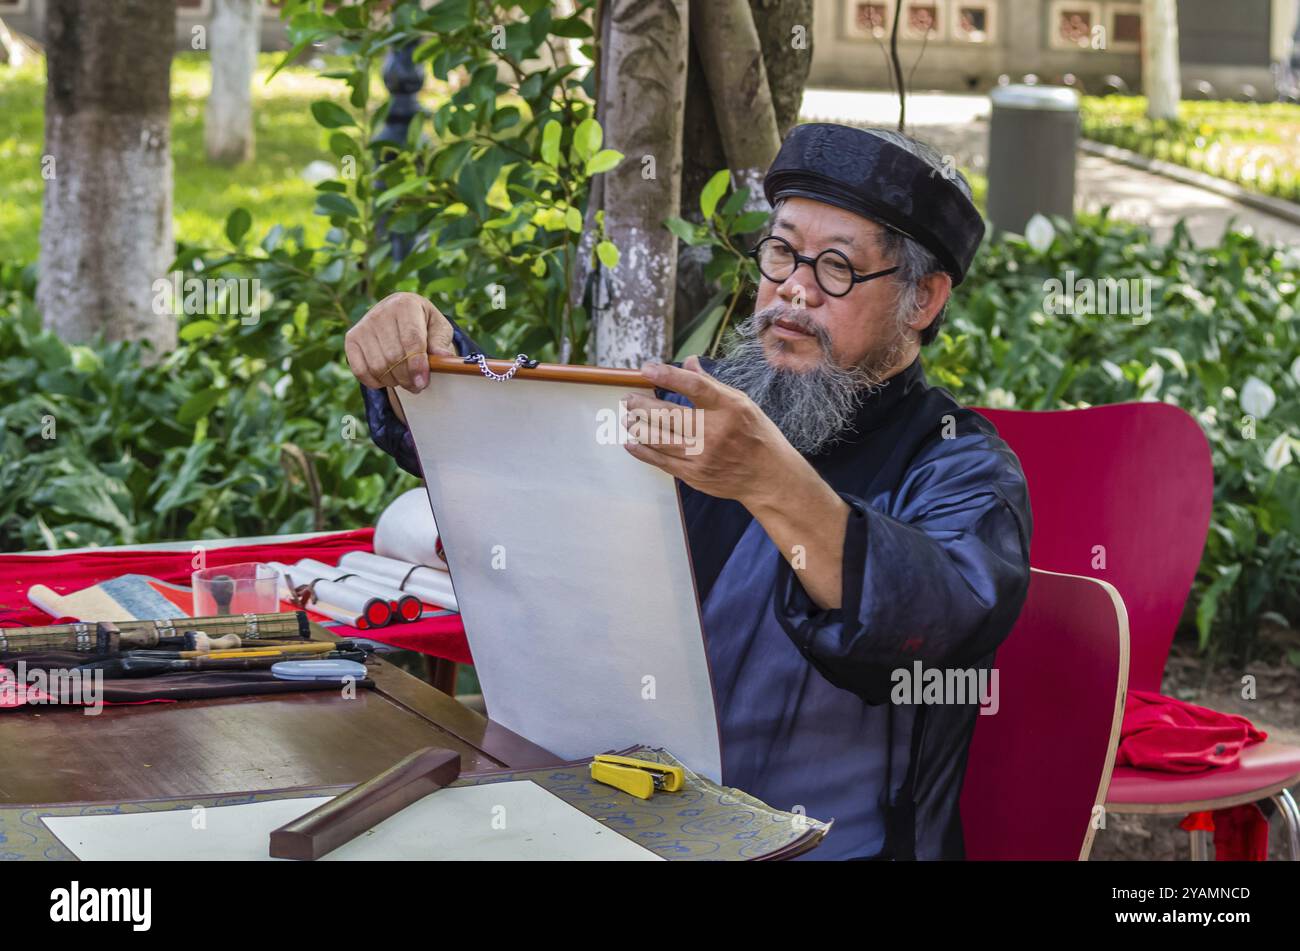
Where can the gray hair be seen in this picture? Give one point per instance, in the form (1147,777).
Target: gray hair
(914,261)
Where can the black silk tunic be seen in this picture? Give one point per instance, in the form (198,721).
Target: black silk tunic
(935,570)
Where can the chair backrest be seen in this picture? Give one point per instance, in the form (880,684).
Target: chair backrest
(1041,764)
(1122,493)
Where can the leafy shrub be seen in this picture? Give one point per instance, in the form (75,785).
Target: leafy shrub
(1220,318)
(493,201)
(1251,144)
(243,430)
(251,429)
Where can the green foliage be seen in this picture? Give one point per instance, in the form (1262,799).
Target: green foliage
(250,427)
(730,270)
(246,429)
(1219,316)
(271,187)
(490,185)
(1256,145)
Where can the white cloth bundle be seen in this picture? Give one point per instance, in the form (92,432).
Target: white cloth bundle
(407,532)
(427,584)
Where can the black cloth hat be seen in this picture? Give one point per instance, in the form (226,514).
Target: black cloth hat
(862,173)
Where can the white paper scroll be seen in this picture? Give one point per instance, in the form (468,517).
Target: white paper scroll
(428,584)
(309,569)
(407,532)
(290,577)
(571,568)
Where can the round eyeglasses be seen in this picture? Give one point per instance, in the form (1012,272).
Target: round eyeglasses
(777,260)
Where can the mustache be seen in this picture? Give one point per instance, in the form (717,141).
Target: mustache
(765,318)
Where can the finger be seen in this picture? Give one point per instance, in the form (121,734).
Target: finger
(441,338)
(357,362)
(660,423)
(657,459)
(696,385)
(641,400)
(413,374)
(398,339)
(369,359)
(658,434)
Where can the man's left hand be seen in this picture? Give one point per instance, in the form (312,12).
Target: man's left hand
(727,448)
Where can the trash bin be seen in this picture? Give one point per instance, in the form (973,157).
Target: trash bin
(1032,140)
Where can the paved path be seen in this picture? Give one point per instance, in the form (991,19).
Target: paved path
(958,125)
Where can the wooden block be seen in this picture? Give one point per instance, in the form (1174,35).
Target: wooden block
(364,806)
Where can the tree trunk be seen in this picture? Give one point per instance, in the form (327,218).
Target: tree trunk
(737,81)
(106,235)
(784,29)
(785,32)
(232,50)
(1160,71)
(701,158)
(646,61)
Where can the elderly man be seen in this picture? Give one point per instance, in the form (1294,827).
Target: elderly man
(847,521)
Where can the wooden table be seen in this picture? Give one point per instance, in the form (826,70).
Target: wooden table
(244,744)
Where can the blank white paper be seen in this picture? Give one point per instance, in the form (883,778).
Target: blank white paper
(512,821)
(571,568)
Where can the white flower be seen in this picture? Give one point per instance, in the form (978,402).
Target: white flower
(1257,398)
(1039,233)
(1113,371)
(1295,369)
(998,398)
(1149,382)
(319,171)
(1174,357)
(1278,453)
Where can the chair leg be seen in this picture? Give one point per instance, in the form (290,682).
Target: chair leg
(1286,805)
(1200,843)
(441,673)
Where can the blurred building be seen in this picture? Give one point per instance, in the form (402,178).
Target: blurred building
(1235,46)
(28,16)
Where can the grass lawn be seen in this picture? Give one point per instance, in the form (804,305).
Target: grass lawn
(271,187)
(1256,145)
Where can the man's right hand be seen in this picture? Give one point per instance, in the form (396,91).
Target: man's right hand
(391,344)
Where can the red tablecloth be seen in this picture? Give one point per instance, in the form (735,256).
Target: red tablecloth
(438,636)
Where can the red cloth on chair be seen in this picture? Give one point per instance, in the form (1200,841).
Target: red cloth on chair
(1240,832)
(1177,737)
(439,636)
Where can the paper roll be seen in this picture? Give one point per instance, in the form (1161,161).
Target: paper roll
(407,532)
(427,584)
(407,605)
(357,609)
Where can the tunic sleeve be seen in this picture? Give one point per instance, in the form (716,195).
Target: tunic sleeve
(936,572)
(387,431)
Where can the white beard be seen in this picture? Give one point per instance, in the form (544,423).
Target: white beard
(816,408)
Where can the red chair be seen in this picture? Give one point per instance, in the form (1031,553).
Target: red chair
(1037,772)
(1123,493)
